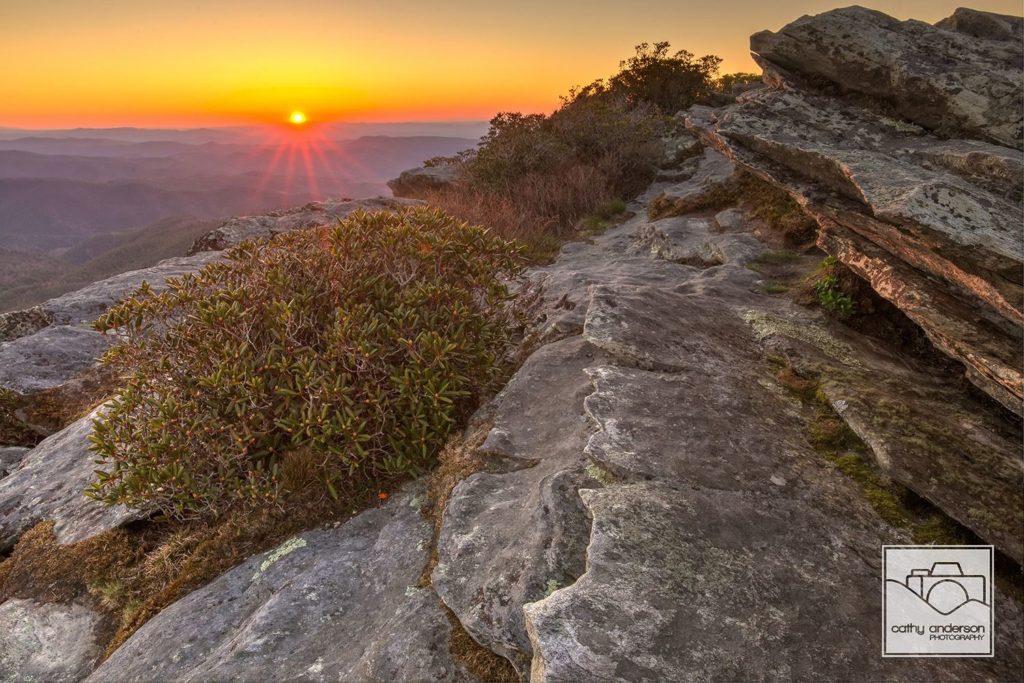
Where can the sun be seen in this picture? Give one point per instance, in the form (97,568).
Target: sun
(297,118)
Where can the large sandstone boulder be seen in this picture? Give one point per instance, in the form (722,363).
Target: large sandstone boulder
(932,223)
(984,25)
(337,604)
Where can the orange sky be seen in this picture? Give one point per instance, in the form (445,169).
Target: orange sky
(221,62)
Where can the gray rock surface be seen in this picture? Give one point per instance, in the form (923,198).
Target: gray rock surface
(417,182)
(24,322)
(953,83)
(717,537)
(49,484)
(933,224)
(511,535)
(336,604)
(316,214)
(49,358)
(713,171)
(984,25)
(10,456)
(60,343)
(47,643)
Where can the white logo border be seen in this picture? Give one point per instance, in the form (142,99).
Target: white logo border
(992,607)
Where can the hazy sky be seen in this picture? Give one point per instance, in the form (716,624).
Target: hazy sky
(219,62)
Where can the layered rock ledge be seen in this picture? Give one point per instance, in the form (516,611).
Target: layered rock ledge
(903,140)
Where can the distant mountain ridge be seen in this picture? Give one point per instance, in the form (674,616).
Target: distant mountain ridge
(77,206)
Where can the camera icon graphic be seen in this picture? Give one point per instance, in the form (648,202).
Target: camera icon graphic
(945,583)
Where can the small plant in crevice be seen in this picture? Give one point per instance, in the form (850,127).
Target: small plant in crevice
(832,287)
(831,298)
(332,358)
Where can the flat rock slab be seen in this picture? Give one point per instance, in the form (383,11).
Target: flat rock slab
(688,583)
(713,172)
(736,538)
(83,306)
(313,215)
(509,536)
(49,358)
(10,456)
(49,484)
(337,604)
(48,643)
(718,537)
(60,343)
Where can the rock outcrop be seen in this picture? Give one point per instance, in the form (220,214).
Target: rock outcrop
(47,642)
(48,484)
(861,129)
(650,418)
(953,83)
(652,508)
(312,215)
(656,502)
(418,182)
(335,604)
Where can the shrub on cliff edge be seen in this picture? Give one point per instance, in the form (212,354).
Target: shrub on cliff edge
(533,177)
(343,355)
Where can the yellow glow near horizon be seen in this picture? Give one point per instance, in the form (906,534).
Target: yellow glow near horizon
(297,118)
(221,62)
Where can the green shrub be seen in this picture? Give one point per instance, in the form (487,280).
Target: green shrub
(831,298)
(727,81)
(618,144)
(533,177)
(342,356)
(669,81)
(829,293)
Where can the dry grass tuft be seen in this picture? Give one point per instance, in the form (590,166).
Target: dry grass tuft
(56,408)
(538,210)
(460,459)
(132,573)
(478,660)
